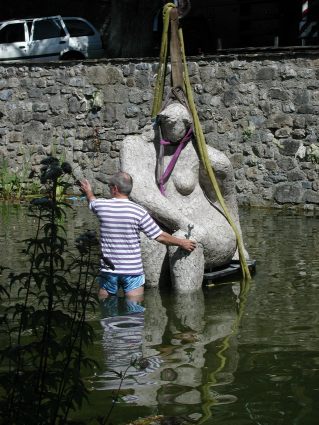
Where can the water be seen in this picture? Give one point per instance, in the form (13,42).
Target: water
(210,357)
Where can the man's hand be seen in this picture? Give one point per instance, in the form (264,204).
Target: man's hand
(187,245)
(85,187)
(167,239)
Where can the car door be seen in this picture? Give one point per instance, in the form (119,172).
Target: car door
(48,38)
(14,39)
(84,37)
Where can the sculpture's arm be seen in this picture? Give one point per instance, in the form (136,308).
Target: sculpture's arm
(224,173)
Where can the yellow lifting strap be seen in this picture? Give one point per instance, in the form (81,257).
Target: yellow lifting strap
(199,135)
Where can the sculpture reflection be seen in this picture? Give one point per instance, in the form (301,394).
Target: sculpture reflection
(179,340)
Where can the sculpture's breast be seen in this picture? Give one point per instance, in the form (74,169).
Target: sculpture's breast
(185,180)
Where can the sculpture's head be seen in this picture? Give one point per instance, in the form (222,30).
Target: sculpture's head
(174,120)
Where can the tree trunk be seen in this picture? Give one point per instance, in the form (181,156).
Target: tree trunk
(130,33)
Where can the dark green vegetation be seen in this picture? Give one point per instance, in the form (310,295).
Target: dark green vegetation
(16,185)
(44,334)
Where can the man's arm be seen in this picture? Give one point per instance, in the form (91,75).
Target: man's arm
(87,190)
(167,239)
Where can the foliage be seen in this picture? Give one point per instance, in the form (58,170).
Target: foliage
(10,183)
(16,185)
(313,154)
(21,184)
(247,133)
(42,322)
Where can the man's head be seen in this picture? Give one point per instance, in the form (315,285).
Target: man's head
(122,182)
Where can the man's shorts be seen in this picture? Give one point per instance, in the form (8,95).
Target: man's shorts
(111,281)
(120,306)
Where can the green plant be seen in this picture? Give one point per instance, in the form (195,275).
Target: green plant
(313,154)
(33,188)
(96,140)
(247,133)
(10,183)
(55,146)
(44,332)
(97,101)
(17,185)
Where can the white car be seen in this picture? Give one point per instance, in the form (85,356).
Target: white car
(49,38)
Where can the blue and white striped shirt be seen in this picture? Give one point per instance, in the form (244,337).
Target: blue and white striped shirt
(121,222)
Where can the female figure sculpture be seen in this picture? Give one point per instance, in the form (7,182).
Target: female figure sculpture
(187,207)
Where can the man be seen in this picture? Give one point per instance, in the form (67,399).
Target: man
(121,221)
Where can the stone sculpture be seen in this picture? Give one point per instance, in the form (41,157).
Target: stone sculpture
(188,207)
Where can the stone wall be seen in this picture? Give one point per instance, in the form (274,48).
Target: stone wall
(261,110)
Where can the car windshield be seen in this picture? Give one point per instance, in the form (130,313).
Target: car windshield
(12,33)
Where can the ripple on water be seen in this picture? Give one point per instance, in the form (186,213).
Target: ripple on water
(122,343)
(265,368)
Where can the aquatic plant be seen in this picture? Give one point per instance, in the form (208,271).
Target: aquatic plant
(15,184)
(21,184)
(10,182)
(44,332)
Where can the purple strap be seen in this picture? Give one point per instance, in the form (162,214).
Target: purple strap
(165,176)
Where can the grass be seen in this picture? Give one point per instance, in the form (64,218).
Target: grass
(16,185)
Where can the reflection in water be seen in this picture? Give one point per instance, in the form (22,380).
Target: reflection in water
(123,324)
(177,346)
(211,397)
(16,226)
(260,357)
(119,306)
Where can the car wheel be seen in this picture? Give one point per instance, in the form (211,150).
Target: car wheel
(72,55)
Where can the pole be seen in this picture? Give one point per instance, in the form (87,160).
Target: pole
(175,50)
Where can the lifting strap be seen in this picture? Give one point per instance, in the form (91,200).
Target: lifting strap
(178,54)
(164,176)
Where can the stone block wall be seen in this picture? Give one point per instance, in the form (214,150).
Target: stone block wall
(261,110)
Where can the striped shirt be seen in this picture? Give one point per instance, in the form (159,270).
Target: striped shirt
(121,222)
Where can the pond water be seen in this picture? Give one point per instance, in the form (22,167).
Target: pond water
(211,357)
